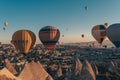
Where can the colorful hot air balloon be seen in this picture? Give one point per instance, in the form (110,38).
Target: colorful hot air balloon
(99,33)
(23,40)
(49,36)
(5,24)
(113,33)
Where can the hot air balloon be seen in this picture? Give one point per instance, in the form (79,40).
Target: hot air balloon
(62,35)
(23,40)
(86,8)
(33,37)
(106,24)
(82,35)
(113,33)
(5,24)
(99,33)
(49,36)
(3,28)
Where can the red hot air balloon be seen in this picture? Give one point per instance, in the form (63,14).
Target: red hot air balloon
(49,36)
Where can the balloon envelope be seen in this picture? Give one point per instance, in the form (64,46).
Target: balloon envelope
(5,24)
(86,7)
(3,28)
(49,36)
(82,35)
(33,37)
(99,33)
(113,33)
(23,40)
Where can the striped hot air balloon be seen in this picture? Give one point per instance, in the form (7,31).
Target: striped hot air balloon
(99,33)
(49,36)
(23,40)
(33,37)
(113,33)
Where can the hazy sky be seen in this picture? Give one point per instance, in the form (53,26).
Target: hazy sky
(69,16)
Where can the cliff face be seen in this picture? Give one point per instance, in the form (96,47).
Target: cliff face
(78,67)
(10,67)
(87,72)
(34,71)
(6,75)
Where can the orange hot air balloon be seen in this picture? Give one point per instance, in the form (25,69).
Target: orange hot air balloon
(99,33)
(33,38)
(49,36)
(23,40)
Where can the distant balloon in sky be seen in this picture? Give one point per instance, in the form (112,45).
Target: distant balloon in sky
(5,24)
(113,33)
(49,36)
(82,35)
(99,33)
(3,28)
(23,40)
(86,8)
(106,24)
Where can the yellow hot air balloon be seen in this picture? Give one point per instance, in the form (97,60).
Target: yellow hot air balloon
(99,33)
(5,24)
(33,37)
(23,40)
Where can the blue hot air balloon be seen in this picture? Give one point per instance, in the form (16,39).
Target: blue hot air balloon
(113,33)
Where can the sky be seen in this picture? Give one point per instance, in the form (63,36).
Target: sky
(69,16)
